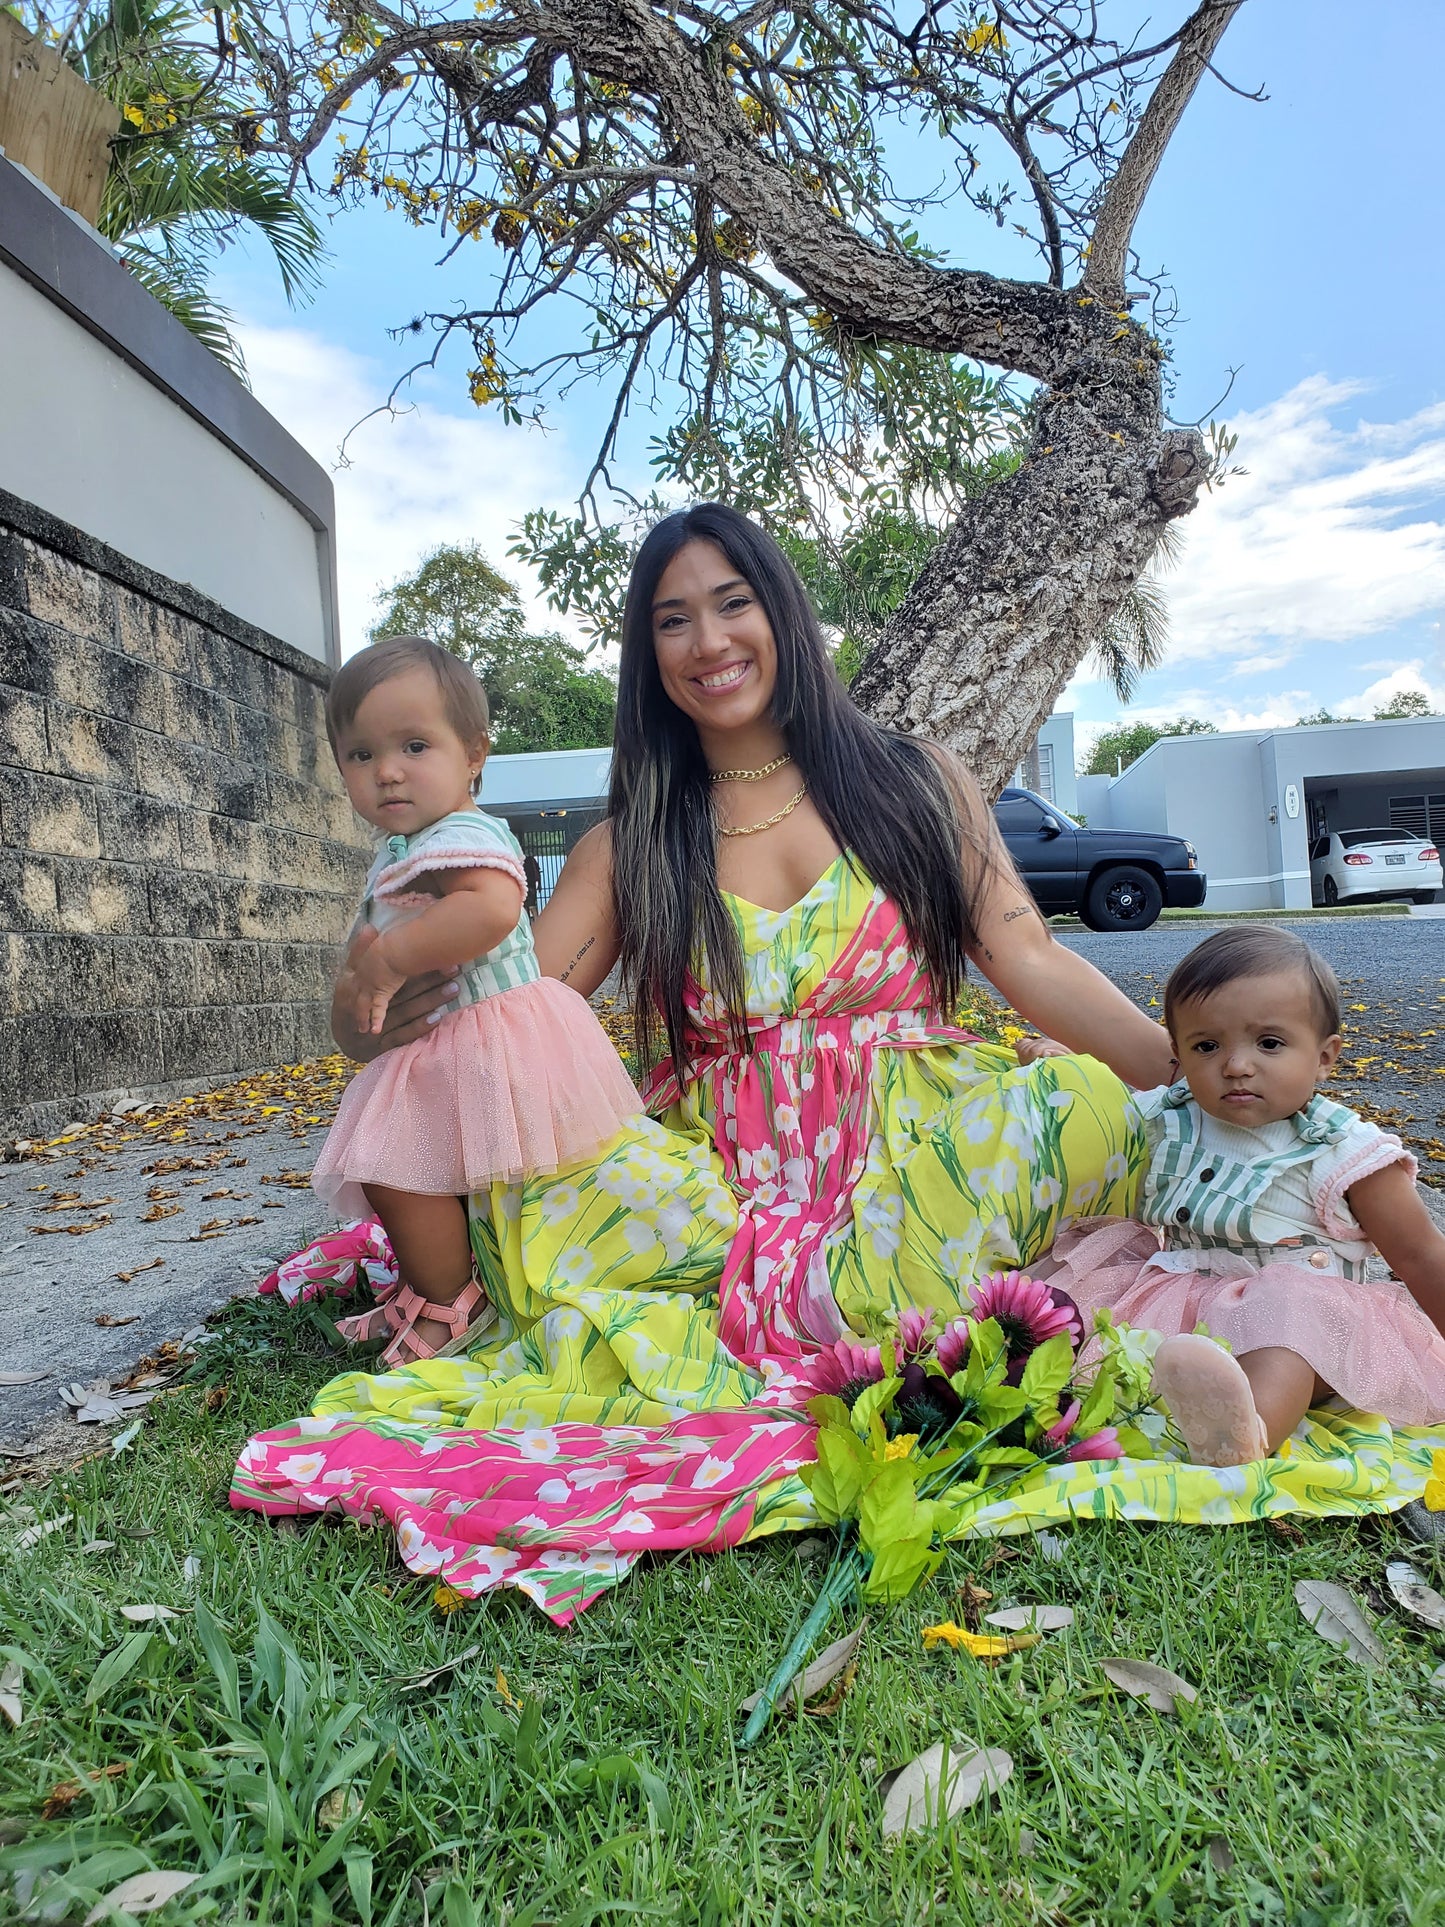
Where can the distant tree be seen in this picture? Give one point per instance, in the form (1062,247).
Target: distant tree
(542,692)
(1319,716)
(1408,703)
(1117,748)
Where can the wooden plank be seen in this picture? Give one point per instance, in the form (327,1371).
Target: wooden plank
(51,122)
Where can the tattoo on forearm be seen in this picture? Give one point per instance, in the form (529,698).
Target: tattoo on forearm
(577,960)
(1019,910)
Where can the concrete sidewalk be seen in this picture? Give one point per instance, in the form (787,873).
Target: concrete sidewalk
(129,1236)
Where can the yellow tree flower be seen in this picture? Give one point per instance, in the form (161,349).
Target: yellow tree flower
(1434,1493)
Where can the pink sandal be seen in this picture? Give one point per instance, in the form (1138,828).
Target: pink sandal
(462,1318)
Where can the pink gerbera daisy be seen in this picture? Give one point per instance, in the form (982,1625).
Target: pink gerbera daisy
(845,1369)
(952,1348)
(1026,1311)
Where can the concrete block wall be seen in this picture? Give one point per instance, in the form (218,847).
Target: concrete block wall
(178,861)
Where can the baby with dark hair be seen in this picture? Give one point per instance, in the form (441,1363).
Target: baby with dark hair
(1262,1202)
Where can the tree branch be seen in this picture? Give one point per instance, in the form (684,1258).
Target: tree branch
(1109,245)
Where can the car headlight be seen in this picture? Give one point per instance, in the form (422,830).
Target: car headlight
(1191,856)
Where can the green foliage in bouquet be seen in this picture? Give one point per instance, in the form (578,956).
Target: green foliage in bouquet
(919,1433)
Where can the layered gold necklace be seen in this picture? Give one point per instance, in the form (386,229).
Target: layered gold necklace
(756,776)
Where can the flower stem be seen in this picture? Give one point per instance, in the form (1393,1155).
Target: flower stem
(837,1588)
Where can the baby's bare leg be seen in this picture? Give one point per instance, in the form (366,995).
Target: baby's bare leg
(433,1251)
(1284,1387)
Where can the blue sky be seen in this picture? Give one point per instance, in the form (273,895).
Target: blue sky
(1301,236)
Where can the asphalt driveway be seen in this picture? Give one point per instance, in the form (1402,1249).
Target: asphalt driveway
(1392,973)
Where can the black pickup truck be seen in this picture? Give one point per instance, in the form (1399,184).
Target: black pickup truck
(1111,879)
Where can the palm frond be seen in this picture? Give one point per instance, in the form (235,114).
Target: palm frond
(171,283)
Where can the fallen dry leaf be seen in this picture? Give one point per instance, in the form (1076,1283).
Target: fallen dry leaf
(142,1615)
(973,1598)
(415,1684)
(1414,1595)
(940,1783)
(826,1667)
(159,1211)
(22,1378)
(124,1277)
(142,1893)
(1146,1681)
(1032,1619)
(1287,1530)
(1336,1617)
(109,1318)
(64,1794)
(509,1698)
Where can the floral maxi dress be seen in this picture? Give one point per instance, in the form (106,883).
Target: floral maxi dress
(861,1154)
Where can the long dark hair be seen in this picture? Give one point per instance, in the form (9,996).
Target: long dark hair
(885,797)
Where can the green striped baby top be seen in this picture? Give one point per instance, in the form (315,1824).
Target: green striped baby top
(464,840)
(1264,1194)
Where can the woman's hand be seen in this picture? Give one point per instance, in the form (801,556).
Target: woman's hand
(414,1010)
(1029,1050)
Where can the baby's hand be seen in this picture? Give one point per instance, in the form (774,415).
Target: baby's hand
(377,982)
(1029,1050)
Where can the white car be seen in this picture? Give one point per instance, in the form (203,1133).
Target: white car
(1350,864)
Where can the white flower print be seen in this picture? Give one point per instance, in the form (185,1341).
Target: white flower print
(511,1202)
(785,1118)
(797,1176)
(576,1265)
(560,1202)
(863,1029)
(418,1494)
(647,1493)
(639,1235)
(541,1444)
(1046,1192)
(827,1142)
(954,1258)
(674,1217)
(898,957)
(1116,1167)
(302,1467)
(486,1566)
(766,989)
(634,1521)
(870,961)
(766,1195)
(1016,1135)
(1060,1100)
(417,1551)
(908,1110)
(612,1176)
(1083,1194)
(806,1080)
(977,1127)
(317,1428)
(766,1163)
(565,1322)
(711,1471)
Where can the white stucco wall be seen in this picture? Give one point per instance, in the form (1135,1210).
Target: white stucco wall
(84,436)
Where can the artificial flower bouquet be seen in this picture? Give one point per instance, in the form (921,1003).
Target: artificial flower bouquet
(924,1429)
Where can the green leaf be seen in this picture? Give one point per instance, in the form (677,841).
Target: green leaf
(1134,1443)
(829,1410)
(889,1509)
(1008,1455)
(899,1567)
(117,1666)
(1002,1406)
(873,1401)
(836,1480)
(1047,1371)
(1098,1407)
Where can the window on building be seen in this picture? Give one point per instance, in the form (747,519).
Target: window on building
(1046,771)
(1421,815)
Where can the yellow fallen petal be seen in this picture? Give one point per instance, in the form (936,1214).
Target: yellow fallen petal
(447,1599)
(979,1645)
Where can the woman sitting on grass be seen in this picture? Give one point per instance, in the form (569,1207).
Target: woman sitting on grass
(793,894)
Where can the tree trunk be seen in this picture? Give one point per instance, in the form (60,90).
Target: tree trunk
(1020,587)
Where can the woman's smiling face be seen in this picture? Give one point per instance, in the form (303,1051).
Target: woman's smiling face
(715,649)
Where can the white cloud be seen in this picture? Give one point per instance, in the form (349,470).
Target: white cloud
(409,481)
(1335,532)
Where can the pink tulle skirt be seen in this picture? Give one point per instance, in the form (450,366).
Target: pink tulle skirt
(519,1084)
(1370,1343)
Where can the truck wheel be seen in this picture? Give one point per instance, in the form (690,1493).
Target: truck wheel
(1124,898)
(1330,892)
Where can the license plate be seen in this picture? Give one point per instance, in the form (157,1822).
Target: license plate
(1394,859)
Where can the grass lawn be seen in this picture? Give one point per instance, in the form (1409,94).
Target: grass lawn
(263,1740)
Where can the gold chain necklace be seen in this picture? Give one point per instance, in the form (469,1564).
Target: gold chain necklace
(749,775)
(751,829)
